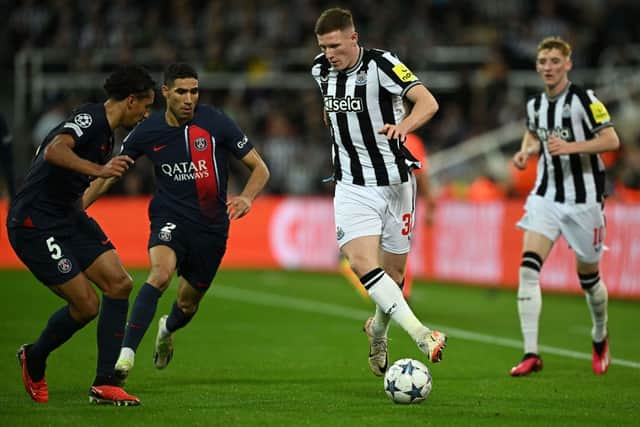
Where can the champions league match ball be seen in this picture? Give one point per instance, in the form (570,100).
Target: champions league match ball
(407,381)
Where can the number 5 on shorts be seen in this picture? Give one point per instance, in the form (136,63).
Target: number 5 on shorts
(54,248)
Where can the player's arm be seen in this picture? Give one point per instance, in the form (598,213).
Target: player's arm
(605,140)
(60,153)
(239,205)
(530,145)
(96,189)
(424,108)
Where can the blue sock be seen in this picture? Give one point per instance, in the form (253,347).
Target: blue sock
(144,308)
(59,329)
(177,319)
(113,316)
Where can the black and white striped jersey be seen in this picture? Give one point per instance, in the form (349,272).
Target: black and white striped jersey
(574,115)
(358,102)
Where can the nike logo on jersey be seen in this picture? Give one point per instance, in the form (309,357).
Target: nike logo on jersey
(159,147)
(104,242)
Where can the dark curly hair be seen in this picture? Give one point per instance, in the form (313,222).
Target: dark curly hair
(128,80)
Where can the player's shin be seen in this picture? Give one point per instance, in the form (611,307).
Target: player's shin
(596,295)
(60,327)
(380,325)
(113,315)
(142,313)
(388,297)
(530,300)
(177,319)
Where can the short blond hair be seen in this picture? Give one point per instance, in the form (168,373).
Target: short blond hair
(555,43)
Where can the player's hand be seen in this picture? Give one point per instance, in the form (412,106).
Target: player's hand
(116,167)
(238,207)
(557,146)
(393,132)
(520,159)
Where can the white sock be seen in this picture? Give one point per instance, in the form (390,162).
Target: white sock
(381,321)
(388,297)
(597,298)
(529,307)
(164,332)
(127,353)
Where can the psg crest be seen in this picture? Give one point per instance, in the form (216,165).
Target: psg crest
(165,236)
(200,144)
(64,265)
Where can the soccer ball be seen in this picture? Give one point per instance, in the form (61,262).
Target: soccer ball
(407,381)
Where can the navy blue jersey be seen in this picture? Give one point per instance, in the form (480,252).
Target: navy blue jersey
(190,164)
(49,193)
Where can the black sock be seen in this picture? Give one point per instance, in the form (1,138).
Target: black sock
(177,319)
(60,327)
(144,308)
(113,316)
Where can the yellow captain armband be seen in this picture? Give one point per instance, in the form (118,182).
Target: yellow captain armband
(599,111)
(404,73)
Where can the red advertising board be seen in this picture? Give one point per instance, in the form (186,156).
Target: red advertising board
(474,243)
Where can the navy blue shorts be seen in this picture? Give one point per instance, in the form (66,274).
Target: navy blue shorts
(58,254)
(199,252)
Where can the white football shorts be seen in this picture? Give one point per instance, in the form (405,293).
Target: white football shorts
(582,225)
(386,211)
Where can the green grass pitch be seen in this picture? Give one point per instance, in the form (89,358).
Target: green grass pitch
(287,349)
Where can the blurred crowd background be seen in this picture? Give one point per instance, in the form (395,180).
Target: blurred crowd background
(477,57)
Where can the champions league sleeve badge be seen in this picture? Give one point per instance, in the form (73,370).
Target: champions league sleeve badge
(83,120)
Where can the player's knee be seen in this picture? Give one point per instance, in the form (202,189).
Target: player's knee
(85,310)
(120,286)
(361,264)
(530,267)
(160,277)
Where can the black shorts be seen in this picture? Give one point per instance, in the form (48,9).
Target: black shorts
(199,252)
(58,254)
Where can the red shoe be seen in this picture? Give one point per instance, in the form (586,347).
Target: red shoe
(38,390)
(530,363)
(111,395)
(601,359)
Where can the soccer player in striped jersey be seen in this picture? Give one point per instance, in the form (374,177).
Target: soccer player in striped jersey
(568,127)
(363,92)
(415,145)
